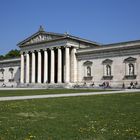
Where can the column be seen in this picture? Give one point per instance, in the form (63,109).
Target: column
(73,65)
(27,67)
(67,64)
(135,69)
(22,69)
(104,70)
(59,75)
(39,67)
(45,66)
(33,67)
(52,66)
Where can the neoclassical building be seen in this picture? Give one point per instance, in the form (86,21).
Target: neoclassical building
(61,60)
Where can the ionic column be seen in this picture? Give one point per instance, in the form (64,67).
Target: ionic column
(33,67)
(27,67)
(67,64)
(104,69)
(22,69)
(52,66)
(45,66)
(39,67)
(73,65)
(59,75)
(135,68)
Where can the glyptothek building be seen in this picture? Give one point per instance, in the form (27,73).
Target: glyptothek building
(62,60)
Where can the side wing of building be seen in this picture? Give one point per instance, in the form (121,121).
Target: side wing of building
(9,72)
(117,64)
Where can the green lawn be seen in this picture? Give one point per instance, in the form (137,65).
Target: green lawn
(45,91)
(98,117)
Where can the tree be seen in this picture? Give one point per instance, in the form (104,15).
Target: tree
(1,57)
(13,54)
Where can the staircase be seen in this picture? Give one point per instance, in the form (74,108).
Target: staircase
(47,86)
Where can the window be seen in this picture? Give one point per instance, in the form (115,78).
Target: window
(11,71)
(88,71)
(108,70)
(131,69)
(2,74)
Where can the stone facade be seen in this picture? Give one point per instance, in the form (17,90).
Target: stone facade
(61,59)
(120,57)
(10,72)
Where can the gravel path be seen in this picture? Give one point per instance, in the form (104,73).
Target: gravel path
(65,95)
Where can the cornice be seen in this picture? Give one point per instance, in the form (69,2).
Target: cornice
(45,45)
(106,49)
(108,53)
(9,60)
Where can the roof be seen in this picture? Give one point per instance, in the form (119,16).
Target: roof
(55,36)
(122,43)
(9,60)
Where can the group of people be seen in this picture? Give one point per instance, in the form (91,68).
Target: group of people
(133,85)
(105,85)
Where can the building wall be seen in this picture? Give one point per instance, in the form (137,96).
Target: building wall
(118,70)
(95,57)
(11,74)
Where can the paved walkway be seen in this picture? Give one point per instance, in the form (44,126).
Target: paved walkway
(8,88)
(65,95)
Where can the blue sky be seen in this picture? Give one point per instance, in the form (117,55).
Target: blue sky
(104,21)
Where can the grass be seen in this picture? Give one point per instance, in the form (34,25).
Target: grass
(44,91)
(98,117)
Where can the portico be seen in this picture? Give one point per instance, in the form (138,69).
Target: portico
(49,65)
(50,58)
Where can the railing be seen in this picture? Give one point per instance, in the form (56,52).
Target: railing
(130,76)
(11,80)
(1,80)
(88,77)
(107,77)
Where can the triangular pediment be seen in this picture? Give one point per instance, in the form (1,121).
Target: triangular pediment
(39,37)
(107,61)
(87,63)
(43,36)
(130,59)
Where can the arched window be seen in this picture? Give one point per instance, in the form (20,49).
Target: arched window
(2,73)
(88,71)
(108,70)
(11,71)
(131,69)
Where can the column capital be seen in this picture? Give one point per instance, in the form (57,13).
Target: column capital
(67,46)
(21,52)
(51,48)
(59,47)
(45,49)
(38,50)
(74,47)
(26,52)
(32,51)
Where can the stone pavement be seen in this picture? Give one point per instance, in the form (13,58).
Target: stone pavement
(66,95)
